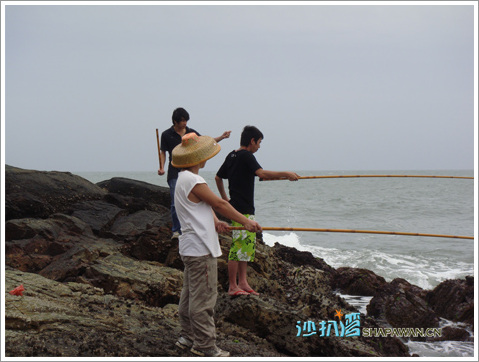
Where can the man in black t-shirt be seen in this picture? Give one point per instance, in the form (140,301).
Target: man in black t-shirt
(240,168)
(171,138)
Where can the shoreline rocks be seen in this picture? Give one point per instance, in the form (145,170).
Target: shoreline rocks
(102,278)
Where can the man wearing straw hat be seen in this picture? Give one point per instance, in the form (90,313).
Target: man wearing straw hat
(171,138)
(240,168)
(199,246)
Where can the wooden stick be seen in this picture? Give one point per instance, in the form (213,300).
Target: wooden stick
(353,231)
(351,176)
(158,143)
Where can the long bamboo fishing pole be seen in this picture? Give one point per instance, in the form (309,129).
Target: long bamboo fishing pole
(351,176)
(158,144)
(354,231)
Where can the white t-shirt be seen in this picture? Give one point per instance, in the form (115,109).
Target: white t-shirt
(198,234)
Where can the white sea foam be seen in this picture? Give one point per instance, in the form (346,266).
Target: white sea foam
(442,349)
(291,240)
(360,302)
(416,269)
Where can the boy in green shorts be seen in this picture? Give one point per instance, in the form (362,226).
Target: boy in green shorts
(240,168)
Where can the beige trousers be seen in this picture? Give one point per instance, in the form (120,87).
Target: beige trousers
(198,299)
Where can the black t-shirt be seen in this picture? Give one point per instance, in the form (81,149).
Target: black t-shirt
(169,140)
(240,169)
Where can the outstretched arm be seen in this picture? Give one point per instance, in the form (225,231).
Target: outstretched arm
(267,175)
(203,192)
(226,134)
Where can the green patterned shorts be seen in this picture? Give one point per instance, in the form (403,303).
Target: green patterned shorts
(243,247)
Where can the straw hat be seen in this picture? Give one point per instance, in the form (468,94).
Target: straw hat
(193,150)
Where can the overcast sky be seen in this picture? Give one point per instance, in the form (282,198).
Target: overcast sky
(352,87)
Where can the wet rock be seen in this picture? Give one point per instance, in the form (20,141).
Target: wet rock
(454,334)
(402,304)
(357,281)
(297,257)
(454,300)
(277,323)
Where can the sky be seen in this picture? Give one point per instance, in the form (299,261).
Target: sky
(332,86)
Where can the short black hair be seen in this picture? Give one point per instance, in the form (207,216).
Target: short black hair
(179,114)
(248,133)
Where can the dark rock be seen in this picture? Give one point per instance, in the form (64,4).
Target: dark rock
(401,304)
(454,300)
(137,190)
(98,214)
(155,246)
(277,323)
(72,265)
(453,334)
(356,281)
(57,227)
(134,204)
(106,269)
(297,257)
(32,244)
(131,226)
(30,193)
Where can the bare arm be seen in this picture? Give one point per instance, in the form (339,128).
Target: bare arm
(161,171)
(203,192)
(226,134)
(221,188)
(267,175)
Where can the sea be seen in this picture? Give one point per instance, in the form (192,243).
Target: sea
(438,206)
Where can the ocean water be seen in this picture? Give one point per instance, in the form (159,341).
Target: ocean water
(438,206)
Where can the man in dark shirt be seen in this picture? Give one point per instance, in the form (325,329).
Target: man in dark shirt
(240,168)
(170,138)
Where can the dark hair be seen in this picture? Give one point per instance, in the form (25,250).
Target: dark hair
(248,133)
(179,114)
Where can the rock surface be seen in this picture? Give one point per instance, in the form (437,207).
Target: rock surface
(102,278)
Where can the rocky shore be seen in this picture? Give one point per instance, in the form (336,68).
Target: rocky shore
(102,278)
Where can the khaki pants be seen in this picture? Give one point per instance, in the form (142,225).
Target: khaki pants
(198,299)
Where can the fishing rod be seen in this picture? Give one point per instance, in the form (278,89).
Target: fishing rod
(352,176)
(353,231)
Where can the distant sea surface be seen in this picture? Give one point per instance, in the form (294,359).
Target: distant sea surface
(440,206)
